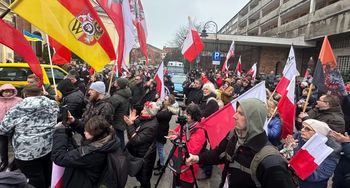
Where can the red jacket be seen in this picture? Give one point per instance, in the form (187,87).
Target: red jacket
(194,145)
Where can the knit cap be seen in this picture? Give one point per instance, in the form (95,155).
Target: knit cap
(122,82)
(98,86)
(319,126)
(152,108)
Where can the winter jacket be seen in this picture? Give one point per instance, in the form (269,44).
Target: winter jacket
(333,116)
(72,97)
(32,122)
(137,93)
(341,177)
(195,145)
(164,117)
(325,170)
(121,105)
(170,85)
(8,102)
(150,95)
(102,107)
(85,164)
(275,130)
(346,111)
(209,105)
(231,150)
(193,95)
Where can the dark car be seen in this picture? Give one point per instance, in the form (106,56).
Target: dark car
(178,89)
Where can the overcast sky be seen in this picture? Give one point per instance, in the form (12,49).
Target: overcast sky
(165,17)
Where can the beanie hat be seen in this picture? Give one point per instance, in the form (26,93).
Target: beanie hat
(319,126)
(122,83)
(152,108)
(98,86)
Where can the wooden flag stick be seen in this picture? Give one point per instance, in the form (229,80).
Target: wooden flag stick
(50,59)
(308,97)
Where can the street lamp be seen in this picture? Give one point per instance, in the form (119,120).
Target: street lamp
(211,26)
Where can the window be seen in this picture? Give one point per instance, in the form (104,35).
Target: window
(14,73)
(59,76)
(343,63)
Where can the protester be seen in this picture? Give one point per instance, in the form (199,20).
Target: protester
(324,171)
(341,177)
(120,101)
(73,76)
(8,100)
(274,128)
(84,164)
(99,104)
(151,92)
(328,110)
(48,91)
(239,147)
(226,91)
(169,84)
(208,104)
(32,122)
(193,92)
(195,142)
(170,107)
(137,93)
(72,98)
(142,133)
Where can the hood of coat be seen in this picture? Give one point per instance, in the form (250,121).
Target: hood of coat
(126,92)
(255,112)
(8,87)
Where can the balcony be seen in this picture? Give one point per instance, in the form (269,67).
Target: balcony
(291,4)
(269,16)
(330,10)
(295,24)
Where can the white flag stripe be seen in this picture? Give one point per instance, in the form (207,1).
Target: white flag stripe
(316,146)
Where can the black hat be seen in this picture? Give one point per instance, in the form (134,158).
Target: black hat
(122,82)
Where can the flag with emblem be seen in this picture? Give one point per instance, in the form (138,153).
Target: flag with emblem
(230,53)
(74,24)
(140,23)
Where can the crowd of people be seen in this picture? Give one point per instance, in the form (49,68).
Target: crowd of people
(78,127)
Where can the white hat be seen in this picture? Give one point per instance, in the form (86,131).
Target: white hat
(319,126)
(98,86)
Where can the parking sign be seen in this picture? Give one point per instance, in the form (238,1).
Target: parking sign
(216,56)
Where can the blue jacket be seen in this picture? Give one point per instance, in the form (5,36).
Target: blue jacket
(320,176)
(275,130)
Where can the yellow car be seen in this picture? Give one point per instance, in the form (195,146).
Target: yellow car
(16,74)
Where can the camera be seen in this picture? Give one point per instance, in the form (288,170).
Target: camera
(181,119)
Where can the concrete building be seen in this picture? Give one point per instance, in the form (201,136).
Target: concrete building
(6,54)
(263,31)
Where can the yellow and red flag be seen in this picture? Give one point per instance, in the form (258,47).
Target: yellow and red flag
(74,24)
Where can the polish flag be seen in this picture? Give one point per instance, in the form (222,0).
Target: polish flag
(230,53)
(140,23)
(286,109)
(239,67)
(62,54)
(193,44)
(252,71)
(159,78)
(57,174)
(289,71)
(310,156)
(221,122)
(129,32)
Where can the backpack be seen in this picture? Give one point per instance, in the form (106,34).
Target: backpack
(114,175)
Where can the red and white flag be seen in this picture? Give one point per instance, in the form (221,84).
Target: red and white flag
(130,33)
(159,78)
(113,9)
(193,44)
(289,71)
(286,109)
(252,71)
(310,156)
(56,177)
(221,122)
(140,24)
(230,53)
(62,54)
(239,70)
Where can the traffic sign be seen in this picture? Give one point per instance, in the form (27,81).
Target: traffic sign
(216,56)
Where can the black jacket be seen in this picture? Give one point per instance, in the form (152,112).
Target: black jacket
(75,102)
(163,118)
(208,105)
(83,165)
(150,95)
(101,107)
(193,95)
(121,104)
(333,116)
(271,172)
(137,93)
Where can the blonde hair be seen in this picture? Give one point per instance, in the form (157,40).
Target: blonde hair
(210,86)
(271,105)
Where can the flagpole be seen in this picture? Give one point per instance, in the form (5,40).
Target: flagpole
(308,97)
(115,69)
(53,75)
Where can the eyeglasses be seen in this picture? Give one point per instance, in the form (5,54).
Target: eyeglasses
(307,128)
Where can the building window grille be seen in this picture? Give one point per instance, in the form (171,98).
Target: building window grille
(343,63)
(343,43)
